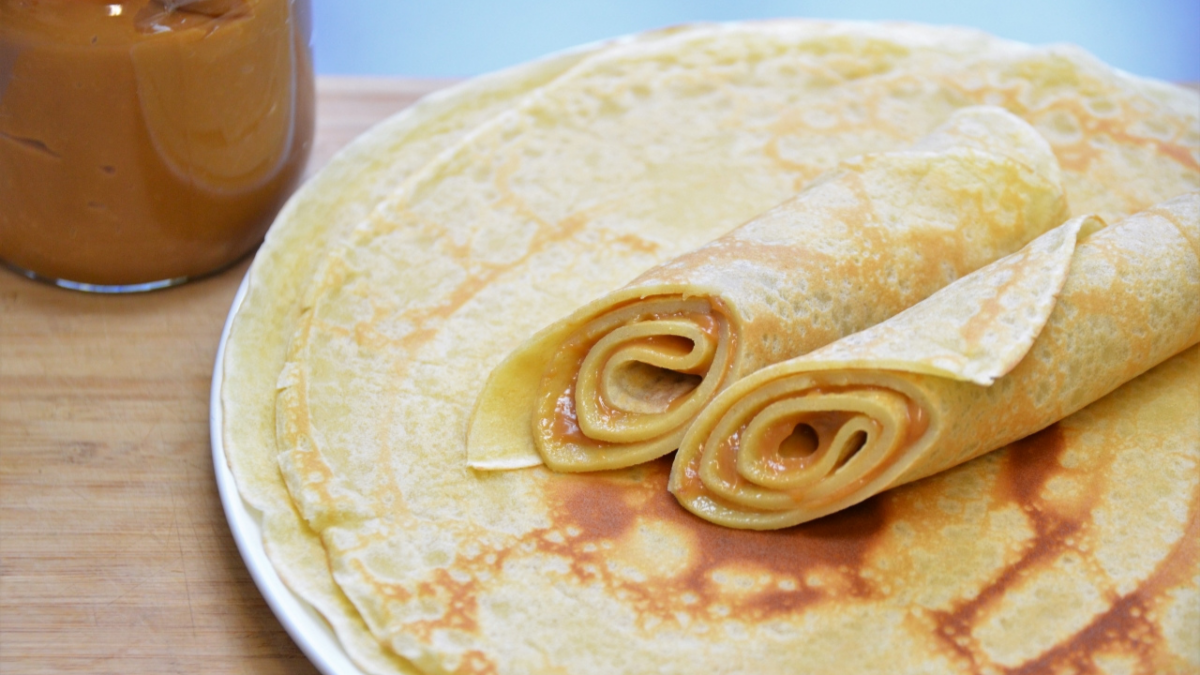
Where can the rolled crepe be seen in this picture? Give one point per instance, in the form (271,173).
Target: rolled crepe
(618,382)
(989,359)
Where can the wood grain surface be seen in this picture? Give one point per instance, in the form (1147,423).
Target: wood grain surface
(115,557)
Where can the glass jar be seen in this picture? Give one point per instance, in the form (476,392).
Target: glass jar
(148,142)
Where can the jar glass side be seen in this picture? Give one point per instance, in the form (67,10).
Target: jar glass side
(146,143)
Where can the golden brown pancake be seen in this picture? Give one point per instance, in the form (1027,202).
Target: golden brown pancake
(994,357)
(618,381)
(1076,552)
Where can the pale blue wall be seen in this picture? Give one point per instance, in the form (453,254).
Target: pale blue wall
(1158,38)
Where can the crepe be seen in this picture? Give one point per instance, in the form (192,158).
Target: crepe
(988,360)
(339,197)
(432,567)
(618,382)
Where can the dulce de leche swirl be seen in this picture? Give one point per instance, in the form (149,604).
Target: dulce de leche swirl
(618,382)
(994,357)
(146,142)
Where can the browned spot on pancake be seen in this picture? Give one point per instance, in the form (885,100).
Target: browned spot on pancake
(1126,627)
(596,508)
(1078,157)
(476,662)
(1117,130)
(1124,624)
(632,242)
(460,612)
(1030,462)
(456,598)
(805,172)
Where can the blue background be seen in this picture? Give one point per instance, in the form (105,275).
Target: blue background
(454,38)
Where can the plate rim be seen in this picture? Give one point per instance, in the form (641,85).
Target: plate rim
(303,623)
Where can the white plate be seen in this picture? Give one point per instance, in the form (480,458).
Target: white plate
(302,622)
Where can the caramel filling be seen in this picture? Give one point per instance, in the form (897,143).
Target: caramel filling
(624,387)
(147,140)
(801,449)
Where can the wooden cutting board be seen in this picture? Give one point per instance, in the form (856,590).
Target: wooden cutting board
(115,557)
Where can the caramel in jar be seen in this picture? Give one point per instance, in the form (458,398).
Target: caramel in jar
(146,142)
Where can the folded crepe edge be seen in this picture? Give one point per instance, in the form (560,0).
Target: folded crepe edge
(1010,302)
(499,434)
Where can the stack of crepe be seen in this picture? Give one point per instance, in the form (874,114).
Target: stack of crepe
(397,280)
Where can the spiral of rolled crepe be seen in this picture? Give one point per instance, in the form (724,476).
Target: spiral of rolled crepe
(623,387)
(618,381)
(794,449)
(998,355)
